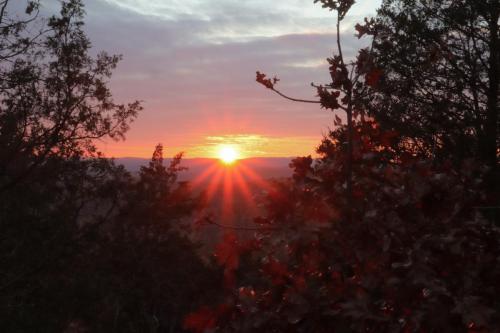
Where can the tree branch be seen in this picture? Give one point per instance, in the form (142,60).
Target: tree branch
(294,99)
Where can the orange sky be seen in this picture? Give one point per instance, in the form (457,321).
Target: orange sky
(247,145)
(193,65)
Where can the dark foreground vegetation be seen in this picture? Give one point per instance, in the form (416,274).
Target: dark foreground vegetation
(394,228)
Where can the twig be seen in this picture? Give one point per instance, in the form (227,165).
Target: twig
(294,99)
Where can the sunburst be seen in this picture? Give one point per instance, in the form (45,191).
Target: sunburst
(228,154)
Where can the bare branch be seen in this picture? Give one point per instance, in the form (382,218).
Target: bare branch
(294,99)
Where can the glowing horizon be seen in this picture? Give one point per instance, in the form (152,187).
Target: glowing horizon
(193,64)
(248,146)
(222,184)
(228,154)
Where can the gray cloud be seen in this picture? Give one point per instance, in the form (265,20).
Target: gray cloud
(193,62)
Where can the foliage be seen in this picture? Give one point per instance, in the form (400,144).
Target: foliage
(84,245)
(415,258)
(377,235)
(110,256)
(16,39)
(442,69)
(55,100)
(381,233)
(146,272)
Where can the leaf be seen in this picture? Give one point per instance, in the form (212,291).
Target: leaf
(474,311)
(268,83)
(32,5)
(329,100)
(373,77)
(367,29)
(337,121)
(364,61)
(276,270)
(361,29)
(200,321)
(342,6)
(227,252)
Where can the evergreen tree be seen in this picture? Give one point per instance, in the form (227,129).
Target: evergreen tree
(441,76)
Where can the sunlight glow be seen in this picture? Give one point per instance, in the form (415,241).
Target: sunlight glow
(227,188)
(227,154)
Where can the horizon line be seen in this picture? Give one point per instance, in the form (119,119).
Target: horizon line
(205,158)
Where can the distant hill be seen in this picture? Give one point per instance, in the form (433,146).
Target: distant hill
(264,167)
(231,193)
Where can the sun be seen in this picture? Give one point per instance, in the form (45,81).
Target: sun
(227,154)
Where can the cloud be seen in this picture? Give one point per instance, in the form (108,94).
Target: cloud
(193,64)
(223,20)
(255,145)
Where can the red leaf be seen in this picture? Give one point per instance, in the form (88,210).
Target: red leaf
(364,61)
(277,271)
(373,77)
(227,252)
(205,318)
(201,320)
(268,83)
(329,100)
(229,278)
(387,138)
(361,29)
(337,121)
(300,283)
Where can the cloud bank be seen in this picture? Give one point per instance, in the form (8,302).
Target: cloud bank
(193,64)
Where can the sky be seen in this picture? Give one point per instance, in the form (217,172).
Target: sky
(193,64)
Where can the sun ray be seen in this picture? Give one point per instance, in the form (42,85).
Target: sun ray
(228,197)
(243,187)
(200,179)
(263,184)
(213,187)
(228,189)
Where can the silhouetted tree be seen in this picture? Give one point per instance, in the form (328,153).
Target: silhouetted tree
(441,76)
(147,272)
(415,256)
(129,268)
(53,190)
(16,40)
(46,228)
(55,100)
(351,80)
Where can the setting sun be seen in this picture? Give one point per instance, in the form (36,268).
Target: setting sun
(227,154)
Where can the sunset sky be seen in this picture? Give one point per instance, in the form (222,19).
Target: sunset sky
(193,63)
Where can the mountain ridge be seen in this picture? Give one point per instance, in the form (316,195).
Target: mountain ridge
(265,167)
